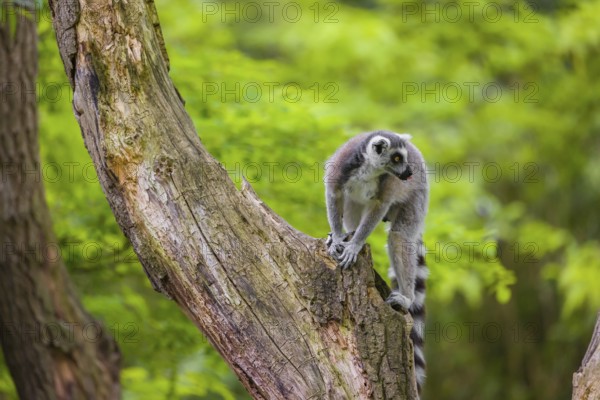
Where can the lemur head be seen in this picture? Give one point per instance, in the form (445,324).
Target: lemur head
(386,151)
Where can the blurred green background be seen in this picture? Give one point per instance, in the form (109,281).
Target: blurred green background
(502,98)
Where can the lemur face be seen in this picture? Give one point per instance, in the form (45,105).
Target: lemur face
(390,156)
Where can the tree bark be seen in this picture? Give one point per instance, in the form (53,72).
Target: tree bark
(289,322)
(53,348)
(586,381)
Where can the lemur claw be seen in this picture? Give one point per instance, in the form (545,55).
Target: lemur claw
(349,254)
(396,298)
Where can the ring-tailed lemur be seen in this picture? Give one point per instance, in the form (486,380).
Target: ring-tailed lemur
(381,176)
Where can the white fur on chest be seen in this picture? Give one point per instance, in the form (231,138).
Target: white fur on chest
(362,187)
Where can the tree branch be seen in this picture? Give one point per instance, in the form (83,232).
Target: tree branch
(268,297)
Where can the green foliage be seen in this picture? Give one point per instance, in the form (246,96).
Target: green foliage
(503,107)
(504,210)
(579,281)
(7,387)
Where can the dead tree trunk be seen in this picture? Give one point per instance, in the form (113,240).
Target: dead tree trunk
(289,323)
(53,348)
(586,381)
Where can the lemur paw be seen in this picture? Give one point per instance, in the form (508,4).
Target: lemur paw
(397,298)
(349,254)
(335,250)
(335,246)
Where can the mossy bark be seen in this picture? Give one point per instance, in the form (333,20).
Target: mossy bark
(288,321)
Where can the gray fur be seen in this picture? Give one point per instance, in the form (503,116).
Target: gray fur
(365,185)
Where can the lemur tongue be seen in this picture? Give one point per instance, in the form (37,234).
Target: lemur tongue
(406,175)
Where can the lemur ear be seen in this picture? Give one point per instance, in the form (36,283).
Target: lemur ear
(380,145)
(404,136)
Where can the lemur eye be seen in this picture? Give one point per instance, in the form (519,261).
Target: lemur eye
(397,158)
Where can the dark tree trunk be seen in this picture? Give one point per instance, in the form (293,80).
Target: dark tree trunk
(51,345)
(288,321)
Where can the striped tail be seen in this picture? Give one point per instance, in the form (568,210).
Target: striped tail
(417,311)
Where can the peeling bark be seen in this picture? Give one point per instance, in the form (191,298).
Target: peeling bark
(586,381)
(44,327)
(288,321)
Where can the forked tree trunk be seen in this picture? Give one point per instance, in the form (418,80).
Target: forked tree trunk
(586,381)
(53,348)
(289,323)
